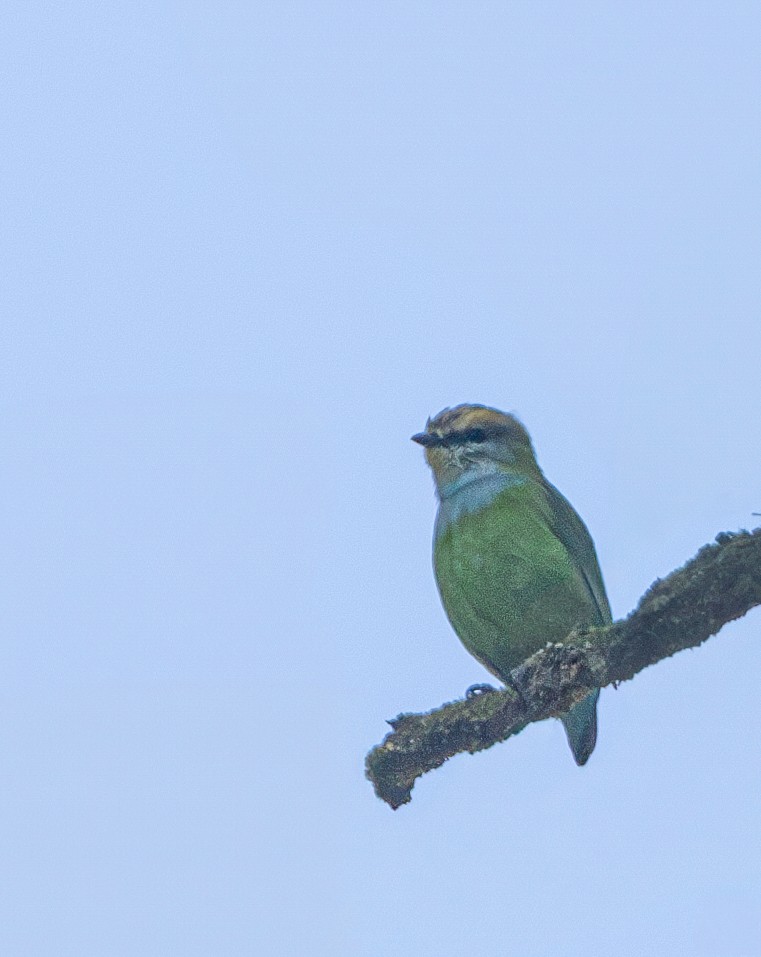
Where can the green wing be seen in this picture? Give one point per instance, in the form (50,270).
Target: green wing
(573,534)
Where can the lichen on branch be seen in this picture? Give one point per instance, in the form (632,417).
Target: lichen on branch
(721,583)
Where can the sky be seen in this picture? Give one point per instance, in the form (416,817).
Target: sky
(248,248)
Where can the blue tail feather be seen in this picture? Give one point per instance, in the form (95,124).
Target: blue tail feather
(581,727)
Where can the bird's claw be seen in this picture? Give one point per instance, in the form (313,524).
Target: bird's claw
(475,690)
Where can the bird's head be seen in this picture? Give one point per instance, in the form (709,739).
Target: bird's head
(473,439)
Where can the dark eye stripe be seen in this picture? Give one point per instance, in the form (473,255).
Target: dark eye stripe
(467,435)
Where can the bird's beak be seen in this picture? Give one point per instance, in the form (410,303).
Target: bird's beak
(426,439)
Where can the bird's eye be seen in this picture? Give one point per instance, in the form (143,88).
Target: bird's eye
(475,435)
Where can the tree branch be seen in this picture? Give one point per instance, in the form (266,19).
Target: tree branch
(721,583)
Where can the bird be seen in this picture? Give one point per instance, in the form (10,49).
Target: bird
(514,563)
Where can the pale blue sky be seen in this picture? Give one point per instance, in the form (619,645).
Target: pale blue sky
(247,249)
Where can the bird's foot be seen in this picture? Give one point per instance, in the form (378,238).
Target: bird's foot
(513,682)
(474,691)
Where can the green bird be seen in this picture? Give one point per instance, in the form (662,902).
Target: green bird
(514,563)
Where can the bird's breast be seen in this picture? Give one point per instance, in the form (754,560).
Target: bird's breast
(470,495)
(507,582)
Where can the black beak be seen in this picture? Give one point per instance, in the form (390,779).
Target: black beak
(426,439)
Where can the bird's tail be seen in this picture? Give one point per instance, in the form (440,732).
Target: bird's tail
(581,727)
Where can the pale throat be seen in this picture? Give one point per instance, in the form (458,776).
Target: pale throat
(472,490)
